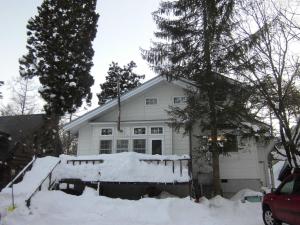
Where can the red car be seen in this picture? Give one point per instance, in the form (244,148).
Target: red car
(283,205)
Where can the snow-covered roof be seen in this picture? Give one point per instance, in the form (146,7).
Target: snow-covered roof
(75,124)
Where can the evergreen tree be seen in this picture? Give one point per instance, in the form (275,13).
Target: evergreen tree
(1,83)
(60,53)
(195,42)
(127,81)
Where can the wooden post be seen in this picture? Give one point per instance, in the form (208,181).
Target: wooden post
(50,176)
(12,196)
(173,166)
(180,167)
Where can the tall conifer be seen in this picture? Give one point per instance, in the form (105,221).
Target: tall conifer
(60,53)
(194,41)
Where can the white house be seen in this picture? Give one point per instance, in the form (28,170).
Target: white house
(144,125)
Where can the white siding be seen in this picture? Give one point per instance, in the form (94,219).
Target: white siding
(242,164)
(180,143)
(84,141)
(135,109)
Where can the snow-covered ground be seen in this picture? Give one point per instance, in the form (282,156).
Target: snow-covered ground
(56,207)
(59,208)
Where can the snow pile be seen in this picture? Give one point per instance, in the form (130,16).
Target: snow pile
(123,167)
(55,207)
(244,193)
(33,178)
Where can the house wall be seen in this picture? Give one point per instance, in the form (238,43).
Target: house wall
(238,170)
(135,108)
(135,113)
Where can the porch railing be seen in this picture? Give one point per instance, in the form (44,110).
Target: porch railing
(39,187)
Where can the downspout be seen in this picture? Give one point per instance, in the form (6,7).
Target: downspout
(190,165)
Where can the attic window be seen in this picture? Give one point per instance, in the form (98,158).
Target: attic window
(151,101)
(179,100)
(230,145)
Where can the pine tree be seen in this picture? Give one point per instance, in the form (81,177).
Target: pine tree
(1,83)
(127,78)
(60,53)
(195,42)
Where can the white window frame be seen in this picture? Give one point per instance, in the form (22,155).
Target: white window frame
(150,130)
(105,135)
(181,103)
(138,128)
(151,98)
(111,150)
(146,141)
(122,139)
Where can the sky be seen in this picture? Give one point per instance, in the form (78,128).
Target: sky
(124,27)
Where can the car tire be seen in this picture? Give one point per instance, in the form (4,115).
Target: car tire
(268,218)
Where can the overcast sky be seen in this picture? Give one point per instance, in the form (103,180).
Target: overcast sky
(123,27)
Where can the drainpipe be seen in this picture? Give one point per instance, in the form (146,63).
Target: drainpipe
(190,166)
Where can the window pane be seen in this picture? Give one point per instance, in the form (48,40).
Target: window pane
(105,146)
(151,101)
(297,186)
(139,146)
(122,145)
(230,144)
(106,131)
(156,130)
(287,188)
(141,130)
(179,100)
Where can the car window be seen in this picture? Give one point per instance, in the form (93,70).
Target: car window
(297,186)
(287,188)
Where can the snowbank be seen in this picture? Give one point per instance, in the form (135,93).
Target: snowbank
(55,207)
(123,167)
(243,193)
(32,179)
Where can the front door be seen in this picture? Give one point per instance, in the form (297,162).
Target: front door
(156,147)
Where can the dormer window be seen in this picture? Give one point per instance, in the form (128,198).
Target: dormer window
(151,101)
(179,100)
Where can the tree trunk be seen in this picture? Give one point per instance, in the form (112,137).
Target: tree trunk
(210,84)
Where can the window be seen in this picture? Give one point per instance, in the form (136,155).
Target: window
(122,146)
(297,186)
(106,131)
(151,101)
(156,130)
(179,100)
(230,143)
(139,130)
(105,146)
(287,188)
(139,145)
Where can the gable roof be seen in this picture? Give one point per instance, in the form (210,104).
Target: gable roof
(75,124)
(16,128)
